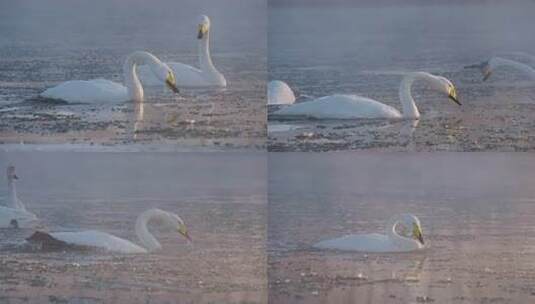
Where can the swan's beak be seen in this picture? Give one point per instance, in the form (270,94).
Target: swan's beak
(171,83)
(417,233)
(486,74)
(203,30)
(184,232)
(15,176)
(452,94)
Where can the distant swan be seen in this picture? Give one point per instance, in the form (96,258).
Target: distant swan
(403,233)
(354,106)
(487,68)
(13,214)
(109,242)
(279,93)
(188,76)
(101,90)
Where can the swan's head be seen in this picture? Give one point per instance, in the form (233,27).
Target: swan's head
(174,221)
(204,26)
(10,172)
(166,74)
(410,227)
(444,85)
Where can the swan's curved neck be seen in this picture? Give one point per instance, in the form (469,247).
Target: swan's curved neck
(408,106)
(132,83)
(205,60)
(498,62)
(145,237)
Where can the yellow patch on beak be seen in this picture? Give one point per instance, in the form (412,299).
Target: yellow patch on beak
(184,232)
(171,82)
(452,94)
(203,30)
(417,233)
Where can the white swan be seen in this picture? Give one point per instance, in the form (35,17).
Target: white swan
(109,242)
(403,233)
(101,90)
(279,93)
(13,214)
(188,76)
(353,106)
(487,68)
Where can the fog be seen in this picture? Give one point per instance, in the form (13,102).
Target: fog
(159,23)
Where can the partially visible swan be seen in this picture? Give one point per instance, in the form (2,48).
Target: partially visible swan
(101,90)
(354,106)
(109,242)
(279,93)
(403,233)
(487,68)
(13,214)
(188,76)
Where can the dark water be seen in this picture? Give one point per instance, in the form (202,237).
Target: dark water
(477,213)
(364,50)
(43,43)
(221,198)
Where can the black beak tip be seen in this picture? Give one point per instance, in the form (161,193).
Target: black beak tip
(199,35)
(456,100)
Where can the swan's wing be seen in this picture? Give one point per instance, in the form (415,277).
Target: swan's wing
(340,107)
(88,91)
(23,218)
(92,238)
(279,92)
(365,243)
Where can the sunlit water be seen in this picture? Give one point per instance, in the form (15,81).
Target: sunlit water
(364,50)
(477,212)
(221,197)
(45,43)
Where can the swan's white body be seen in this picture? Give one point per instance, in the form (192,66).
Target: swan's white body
(13,214)
(109,242)
(187,76)
(279,93)
(497,62)
(374,242)
(355,107)
(104,91)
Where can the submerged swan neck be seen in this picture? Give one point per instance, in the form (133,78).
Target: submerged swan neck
(146,239)
(497,62)
(205,59)
(132,83)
